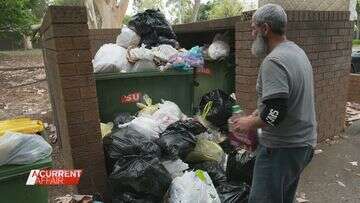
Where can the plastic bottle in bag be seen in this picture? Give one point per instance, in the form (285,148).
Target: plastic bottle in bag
(244,140)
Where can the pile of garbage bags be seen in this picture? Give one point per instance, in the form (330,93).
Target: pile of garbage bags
(161,155)
(149,43)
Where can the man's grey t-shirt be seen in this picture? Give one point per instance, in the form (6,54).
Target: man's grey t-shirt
(287,73)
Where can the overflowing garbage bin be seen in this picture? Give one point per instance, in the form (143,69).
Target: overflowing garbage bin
(120,92)
(13,179)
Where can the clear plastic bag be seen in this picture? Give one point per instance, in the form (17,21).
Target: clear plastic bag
(194,187)
(144,65)
(18,148)
(146,126)
(164,52)
(219,48)
(175,168)
(147,108)
(205,150)
(139,53)
(167,114)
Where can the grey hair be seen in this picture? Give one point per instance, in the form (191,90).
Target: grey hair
(273,15)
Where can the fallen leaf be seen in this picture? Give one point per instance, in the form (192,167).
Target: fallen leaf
(301,200)
(318,151)
(341,183)
(354,163)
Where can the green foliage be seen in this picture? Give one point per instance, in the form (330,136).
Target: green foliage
(225,8)
(181,10)
(142,5)
(356,42)
(204,11)
(17,15)
(126,19)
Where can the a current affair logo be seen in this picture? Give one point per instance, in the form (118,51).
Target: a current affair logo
(54,177)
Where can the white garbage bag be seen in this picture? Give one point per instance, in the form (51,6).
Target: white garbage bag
(19,148)
(218,49)
(139,53)
(193,187)
(175,168)
(164,52)
(127,38)
(146,126)
(167,114)
(144,65)
(111,58)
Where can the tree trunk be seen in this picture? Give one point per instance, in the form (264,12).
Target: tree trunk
(27,42)
(112,12)
(196,10)
(90,10)
(357,27)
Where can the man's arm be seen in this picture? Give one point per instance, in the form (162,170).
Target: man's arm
(273,114)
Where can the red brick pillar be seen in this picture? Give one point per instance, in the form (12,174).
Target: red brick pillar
(69,71)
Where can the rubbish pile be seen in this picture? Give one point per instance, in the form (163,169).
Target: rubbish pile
(149,43)
(352,112)
(161,155)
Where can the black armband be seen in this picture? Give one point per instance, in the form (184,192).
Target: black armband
(275,111)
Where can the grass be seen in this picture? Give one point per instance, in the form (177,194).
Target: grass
(356,42)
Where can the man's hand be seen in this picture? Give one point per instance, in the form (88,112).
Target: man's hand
(243,124)
(247,123)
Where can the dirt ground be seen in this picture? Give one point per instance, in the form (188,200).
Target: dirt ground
(329,178)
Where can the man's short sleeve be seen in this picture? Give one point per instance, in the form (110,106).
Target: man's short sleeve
(275,81)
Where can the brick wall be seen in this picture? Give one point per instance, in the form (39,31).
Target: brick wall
(99,37)
(67,58)
(326,38)
(320,5)
(354,90)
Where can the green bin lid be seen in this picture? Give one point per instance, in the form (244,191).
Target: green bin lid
(9,171)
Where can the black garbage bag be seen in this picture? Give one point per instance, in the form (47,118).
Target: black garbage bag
(122,118)
(127,143)
(213,168)
(129,197)
(230,193)
(240,167)
(216,105)
(179,138)
(150,25)
(146,177)
(226,146)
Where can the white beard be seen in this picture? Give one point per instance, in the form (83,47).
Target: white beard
(259,47)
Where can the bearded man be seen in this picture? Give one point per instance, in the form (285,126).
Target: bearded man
(285,109)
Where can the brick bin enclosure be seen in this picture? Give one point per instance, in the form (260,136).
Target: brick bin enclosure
(67,59)
(68,46)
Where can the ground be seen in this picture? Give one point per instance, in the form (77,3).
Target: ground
(330,177)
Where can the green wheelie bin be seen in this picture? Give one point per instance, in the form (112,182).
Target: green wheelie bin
(13,179)
(119,92)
